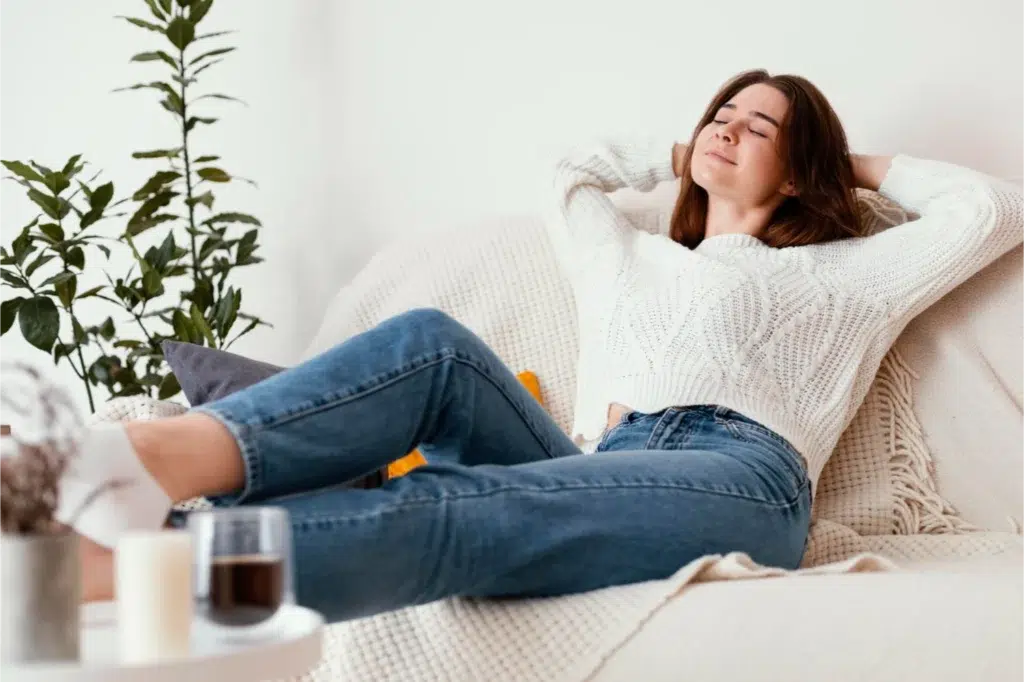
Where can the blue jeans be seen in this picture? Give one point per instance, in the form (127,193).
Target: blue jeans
(506,505)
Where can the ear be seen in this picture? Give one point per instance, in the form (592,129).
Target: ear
(789,189)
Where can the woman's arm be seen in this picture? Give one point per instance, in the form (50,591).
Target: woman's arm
(870,171)
(967,220)
(586,225)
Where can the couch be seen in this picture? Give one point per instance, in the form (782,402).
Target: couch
(913,567)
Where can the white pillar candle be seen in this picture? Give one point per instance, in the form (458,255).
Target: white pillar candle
(153,588)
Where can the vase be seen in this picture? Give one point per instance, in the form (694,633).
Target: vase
(40,594)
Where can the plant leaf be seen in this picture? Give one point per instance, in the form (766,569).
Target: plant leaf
(198,10)
(184,81)
(206,199)
(168,387)
(152,85)
(149,223)
(39,262)
(180,31)
(211,53)
(155,184)
(194,120)
(101,196)
(152,283)
(200,323)
(165,4)
(220,96)
(16,281)
(39,321)
(170,105)
(76,257)
(58,278)
(92,292)
(204,67)
(151,206)
(47,203)
(233,217)
(142,24)
(53,231)
(66,290)
(215,34)
(206,159)
(69,167)
(107,329)
(154,56)
(213,174)
(182,326)
(8,313)
(158,153)
(23,171)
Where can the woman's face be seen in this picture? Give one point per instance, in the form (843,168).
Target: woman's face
(736,156)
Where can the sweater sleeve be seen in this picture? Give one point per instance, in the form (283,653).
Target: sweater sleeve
(967,220)
(585,224)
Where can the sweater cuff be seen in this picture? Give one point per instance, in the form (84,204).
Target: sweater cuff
(894,184)
(662,167)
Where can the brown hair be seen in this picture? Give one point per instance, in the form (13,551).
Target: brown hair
(814,147)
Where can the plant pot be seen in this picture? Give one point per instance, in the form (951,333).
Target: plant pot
(40,595)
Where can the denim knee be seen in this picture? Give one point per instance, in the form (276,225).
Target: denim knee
(442,328)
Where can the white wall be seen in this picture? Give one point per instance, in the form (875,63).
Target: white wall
(374,119)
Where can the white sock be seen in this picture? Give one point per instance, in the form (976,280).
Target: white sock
(136,503)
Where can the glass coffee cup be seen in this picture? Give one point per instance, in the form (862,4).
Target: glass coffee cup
(243,565)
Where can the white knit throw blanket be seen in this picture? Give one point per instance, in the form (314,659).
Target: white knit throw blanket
(876,504)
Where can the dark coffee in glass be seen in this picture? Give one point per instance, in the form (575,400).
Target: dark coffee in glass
(244,590)
(243,571)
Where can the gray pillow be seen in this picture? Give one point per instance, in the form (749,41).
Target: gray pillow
(206,374)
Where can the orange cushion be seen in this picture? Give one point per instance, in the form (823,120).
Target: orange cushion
(415,458)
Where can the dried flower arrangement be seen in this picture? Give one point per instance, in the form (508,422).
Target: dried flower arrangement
(35,456)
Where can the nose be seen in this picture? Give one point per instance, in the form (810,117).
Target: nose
(727,132)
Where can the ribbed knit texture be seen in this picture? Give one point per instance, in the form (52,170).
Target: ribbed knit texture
(789,337)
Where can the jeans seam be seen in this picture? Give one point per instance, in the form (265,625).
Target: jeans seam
(332,400)
(413,503)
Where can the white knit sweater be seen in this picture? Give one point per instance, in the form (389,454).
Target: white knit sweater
(791,338)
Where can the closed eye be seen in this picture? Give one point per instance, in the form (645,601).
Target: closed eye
(757,133)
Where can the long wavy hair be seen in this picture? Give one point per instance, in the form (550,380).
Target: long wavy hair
(813,145)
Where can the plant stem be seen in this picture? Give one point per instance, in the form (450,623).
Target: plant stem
(189,203)
(70,309)
(81,359)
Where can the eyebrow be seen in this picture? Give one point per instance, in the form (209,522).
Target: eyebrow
(755,113)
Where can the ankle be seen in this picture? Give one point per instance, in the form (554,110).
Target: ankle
(145,438)
(189,456)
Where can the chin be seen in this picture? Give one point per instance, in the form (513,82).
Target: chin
(709,176)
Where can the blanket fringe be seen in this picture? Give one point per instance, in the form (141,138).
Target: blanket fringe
(918,507)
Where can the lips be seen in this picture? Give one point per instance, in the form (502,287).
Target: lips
(720,157)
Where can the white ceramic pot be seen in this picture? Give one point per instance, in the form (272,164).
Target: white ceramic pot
(40,592)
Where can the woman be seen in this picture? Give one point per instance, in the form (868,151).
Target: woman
(717,370)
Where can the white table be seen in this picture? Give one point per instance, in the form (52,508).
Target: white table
(294,649)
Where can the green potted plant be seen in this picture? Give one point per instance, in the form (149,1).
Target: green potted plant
(182,252)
